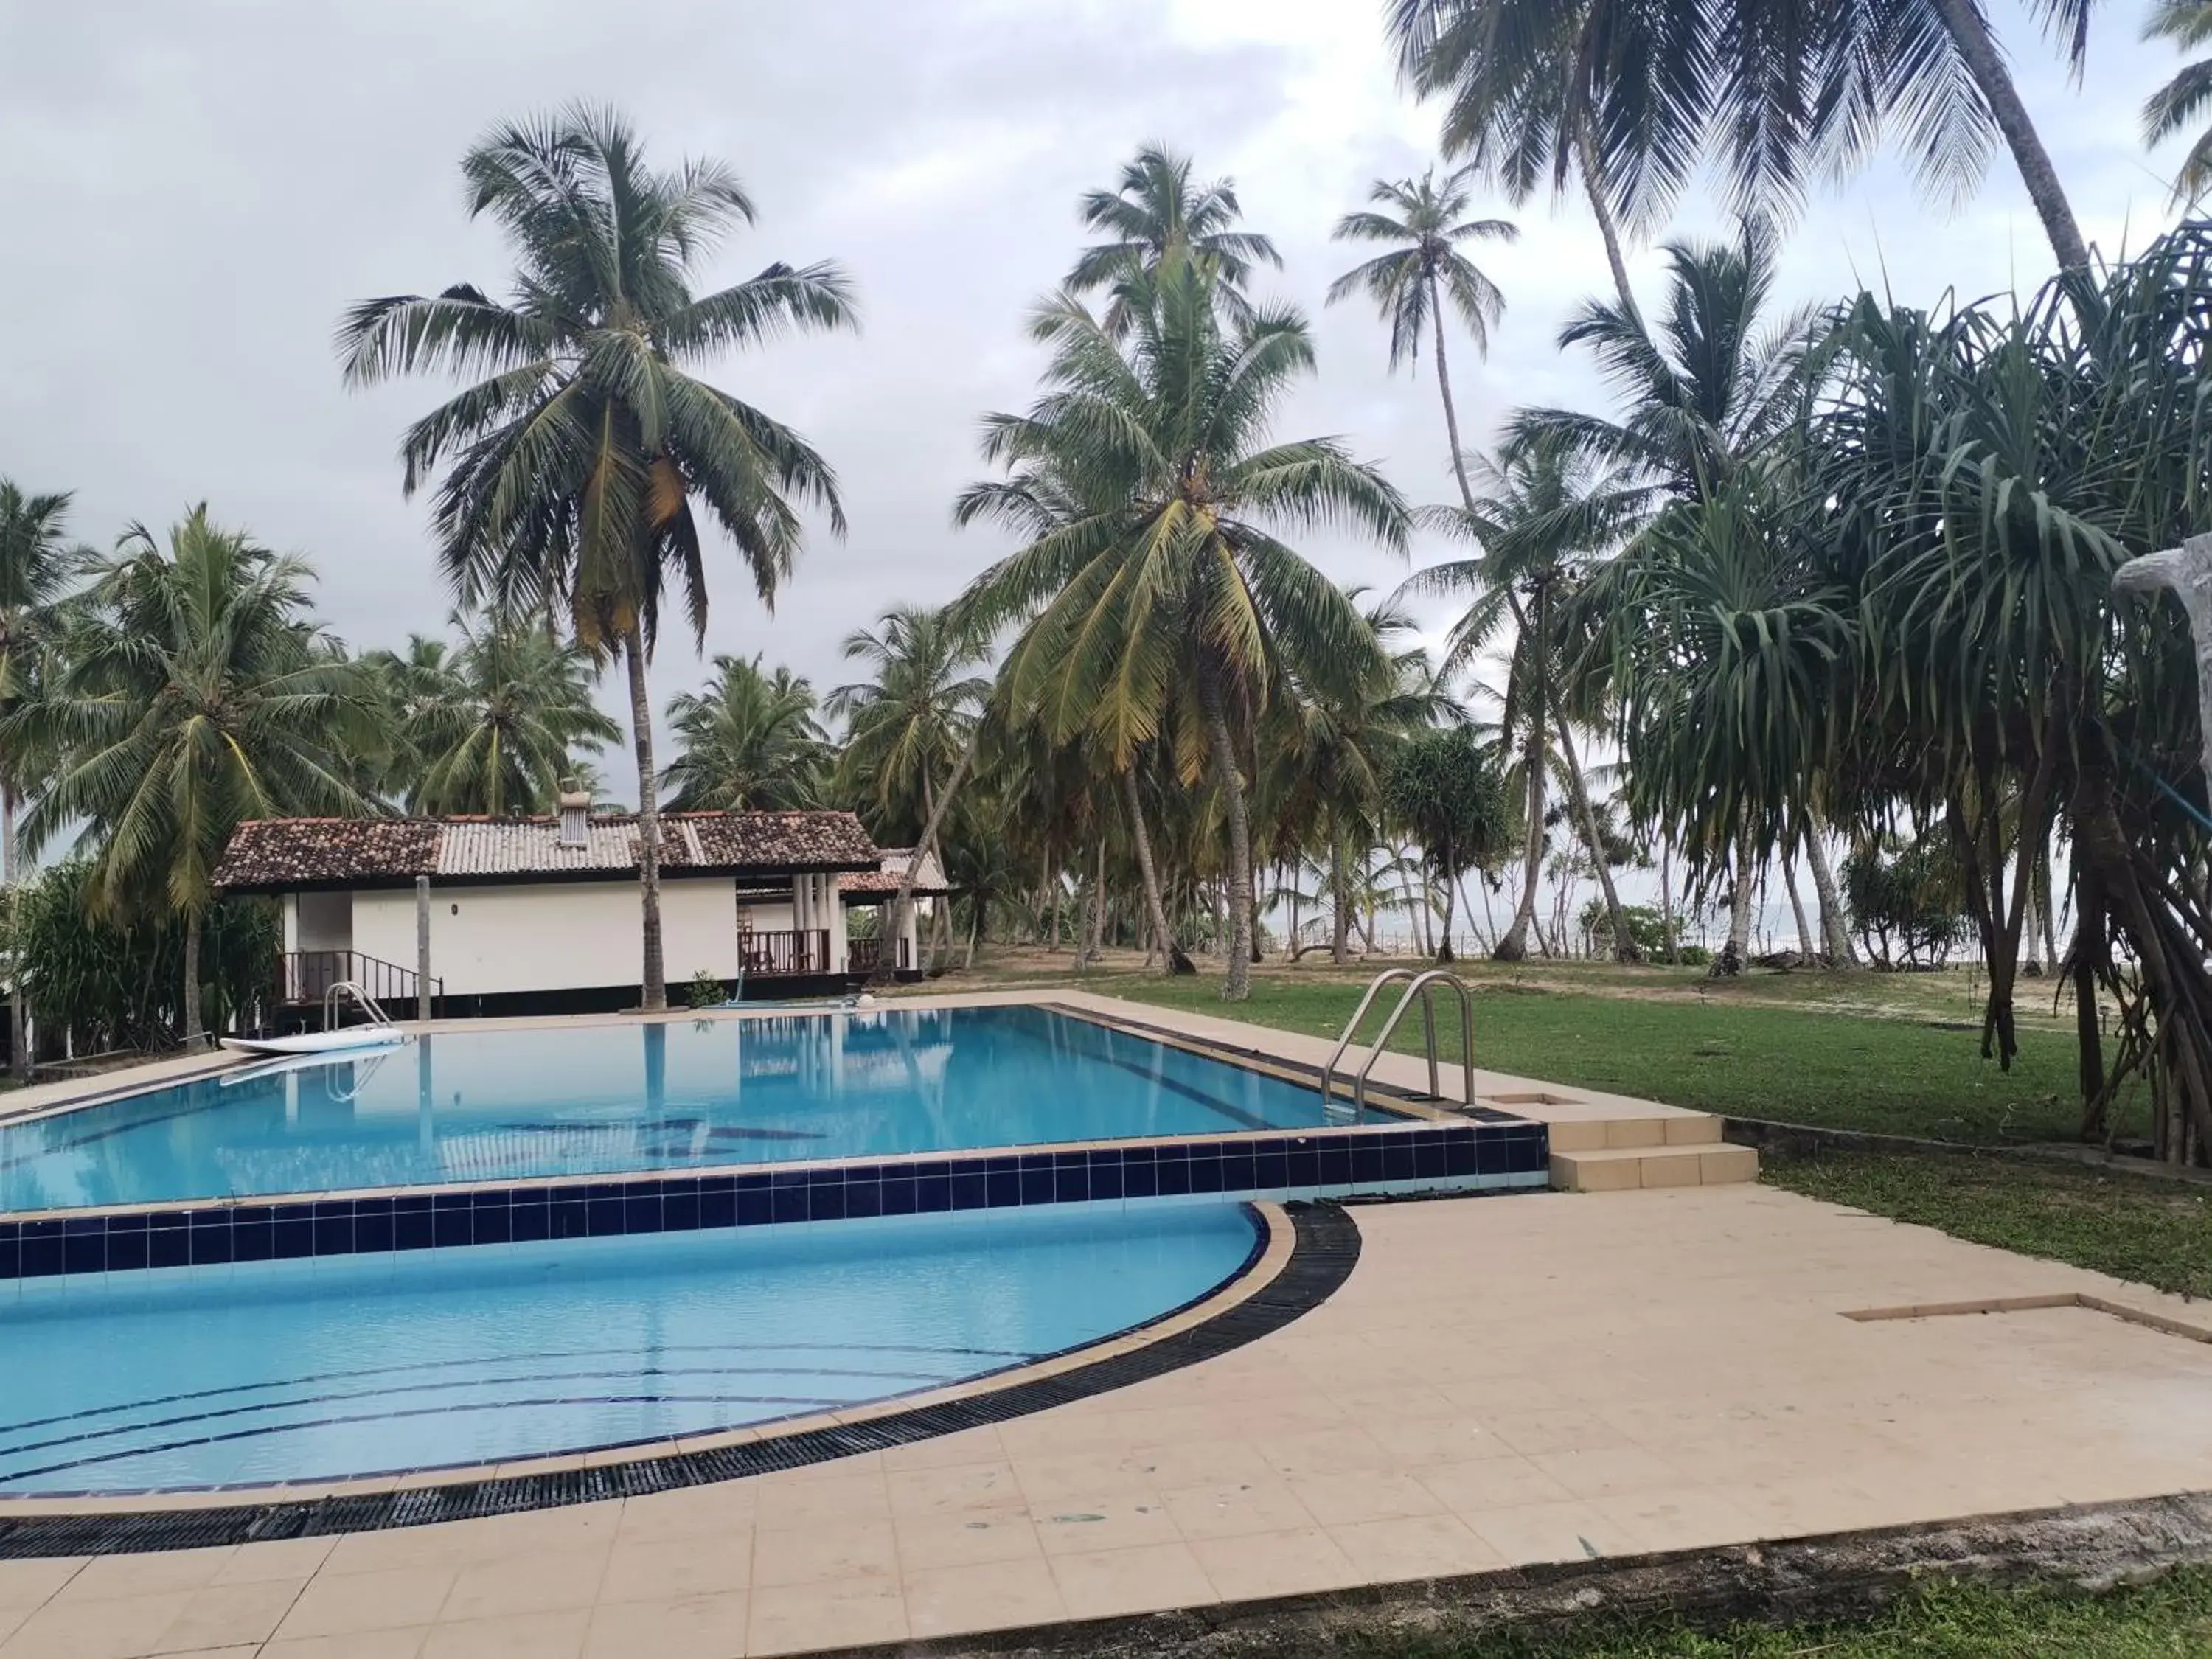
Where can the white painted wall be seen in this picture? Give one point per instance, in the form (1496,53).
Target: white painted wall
(563,936)
(326,923)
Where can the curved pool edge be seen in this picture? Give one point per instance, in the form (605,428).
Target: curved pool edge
(1305,1252)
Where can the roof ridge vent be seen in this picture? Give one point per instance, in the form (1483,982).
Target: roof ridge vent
(575,814)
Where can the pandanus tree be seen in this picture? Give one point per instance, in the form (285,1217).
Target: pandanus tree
(492,722)
(1155,597)
(750,741)
(1423,275)
(1634,95)
(37,567)
(198,693)
(579,469)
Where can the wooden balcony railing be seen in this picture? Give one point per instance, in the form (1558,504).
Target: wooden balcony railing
(790,955)
(864,956)
(306,977)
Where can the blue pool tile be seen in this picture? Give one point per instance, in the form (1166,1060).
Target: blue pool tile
(1171,1176)
(898,1193)
(1366,1161)
(1493,1152)
(449,1226)
(210,1240)
(127,1251)
(1071,1182)
(1206,1170)
(1036,1184)
(291,1239)
(718,1204)
(85,1252)
(825,1201)
(494,1224)
(717,1185)
(971,1189)
(1398,1159)
(1239,1169)
(1140,1178)
(1462,1157)
(410,1229)
(166,1247)
(1270,1165)
(1106,1179)
(1301,1165)
(864,1198)
(756,1206)
(1333,1165)
(527,1223)
(1002,1188)
(679,1211)
(603,1217)
(787,1202)
(283,1212)
(933,1193)
(568,1218)
(641,1211)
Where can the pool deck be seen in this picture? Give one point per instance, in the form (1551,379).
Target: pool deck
(1501,1382)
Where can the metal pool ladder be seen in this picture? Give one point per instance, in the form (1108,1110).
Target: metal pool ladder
(1421,985)
(368,1004)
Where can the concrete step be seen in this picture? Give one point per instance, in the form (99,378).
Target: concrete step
(1596,1133)
(1625,1168)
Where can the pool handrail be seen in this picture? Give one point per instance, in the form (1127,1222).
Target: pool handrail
(1422,985)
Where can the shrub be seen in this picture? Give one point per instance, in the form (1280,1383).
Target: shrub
(705,991)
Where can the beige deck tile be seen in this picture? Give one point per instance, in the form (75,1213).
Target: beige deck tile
(1320,1451)
(964,1539)
(986,1596)
(1256,1565)
(1573,1531)
(727,1509)
(836,1552)
(668,1569)
(28,1583)
(1200,1462)
(1612,1471)
(689,1627)
(966,1488)
(110,1576)
(1569,1429)
(1143,1579)
(801,1618)
(231,1615)
(1682,1520)
(364,1644)
(557,1634)
(344,1604)
(969,1446)
(829,1496)
(1116,1520)
(1483,1484)
(1339,1500)
(1415,1547)
(1046,1477)
(1233,1511)
(527,1584)
(122,1627)
(282,1557)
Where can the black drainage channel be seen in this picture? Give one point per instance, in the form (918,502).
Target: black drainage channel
(1325,1248)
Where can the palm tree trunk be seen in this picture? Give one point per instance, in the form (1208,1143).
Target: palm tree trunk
(654,990)
(1835,926)
(1970,32)
(1594,187)
(191,1020)
(1667,901)
(1451,895)
(1797,906)
(1173,958)
(1237,983)
(1339,935)
(1740,901)
(902,901)
(1514,946)
(1444,388)
(1624,947)
(19,1061)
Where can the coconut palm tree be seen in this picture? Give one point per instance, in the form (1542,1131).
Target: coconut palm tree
(572,464)
(2187,98)
(1158,208)
(1424,222)
(36,568)
(1155,598)
(909,723)
(198,692)
(751,742)
(1633,94)
(1547,513)
(492,724)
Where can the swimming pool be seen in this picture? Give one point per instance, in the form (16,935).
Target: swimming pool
(308,1370)
(605,1099)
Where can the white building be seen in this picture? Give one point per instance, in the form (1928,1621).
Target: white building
(541,915)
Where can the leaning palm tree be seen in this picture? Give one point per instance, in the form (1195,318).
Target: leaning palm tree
(494,724)
(198,693)
(1547,513)
(751,742)
(909,723)
(1424,223)
(1633,95)
(1158,208)
(570,469)
(2187,98)
(1155,597)
(36,567)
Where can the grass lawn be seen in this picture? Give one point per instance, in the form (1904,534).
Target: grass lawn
(2151,1232)
(1886,1075)
(2170,1619)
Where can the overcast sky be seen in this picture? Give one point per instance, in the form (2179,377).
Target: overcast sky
(193,190)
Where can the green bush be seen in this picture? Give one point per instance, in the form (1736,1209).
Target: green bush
(705,991)
(94,985)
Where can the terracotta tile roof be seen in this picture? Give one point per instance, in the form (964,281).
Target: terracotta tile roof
(883,882)
(275,854)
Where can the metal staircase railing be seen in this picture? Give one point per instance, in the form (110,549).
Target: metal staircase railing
(1422,985)
(343,989)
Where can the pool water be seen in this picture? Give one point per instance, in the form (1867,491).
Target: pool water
(306,1370)
(477,1106)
